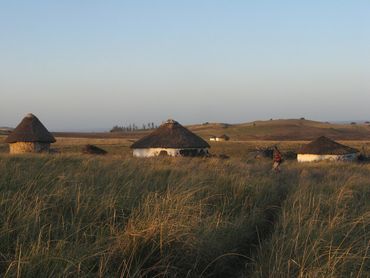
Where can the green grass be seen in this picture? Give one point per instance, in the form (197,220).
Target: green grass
(74,215)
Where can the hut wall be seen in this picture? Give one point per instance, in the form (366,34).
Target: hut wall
(330,157)
(155,152)
(29,147)
(151,152)
(217,139)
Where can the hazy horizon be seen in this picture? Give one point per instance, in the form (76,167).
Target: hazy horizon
(139,125)
(89,65)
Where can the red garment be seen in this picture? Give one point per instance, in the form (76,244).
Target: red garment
(277,157)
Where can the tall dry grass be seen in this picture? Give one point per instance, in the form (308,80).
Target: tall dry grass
(73,216)
(76,215)
(324,226)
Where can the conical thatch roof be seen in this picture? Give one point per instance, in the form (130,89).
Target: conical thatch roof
(91,149)
(171,135)
(30,130)
(224,136)
(326,146)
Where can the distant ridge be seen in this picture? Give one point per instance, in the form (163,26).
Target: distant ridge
(278,130)
(5,130)
(288,129)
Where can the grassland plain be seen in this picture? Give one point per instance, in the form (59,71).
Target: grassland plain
(69,215)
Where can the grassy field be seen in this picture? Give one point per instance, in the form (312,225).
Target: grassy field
(68,215)
(235,149)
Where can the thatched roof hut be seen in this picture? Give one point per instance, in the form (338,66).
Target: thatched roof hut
(324,148)
(171,139)
(30,136)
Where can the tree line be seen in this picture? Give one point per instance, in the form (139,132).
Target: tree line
(133,127)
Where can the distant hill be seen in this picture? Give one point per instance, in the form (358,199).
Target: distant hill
(5,130)
(289,129)
(281,130)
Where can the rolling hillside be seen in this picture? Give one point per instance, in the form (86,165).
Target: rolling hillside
(280,130)
(5,130)
(291,129)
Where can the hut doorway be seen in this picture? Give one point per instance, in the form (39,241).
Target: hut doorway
(163,153)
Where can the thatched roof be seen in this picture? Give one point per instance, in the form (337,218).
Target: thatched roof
(224,136)
(30,130)
(326,146)
(171,135)
(91,149)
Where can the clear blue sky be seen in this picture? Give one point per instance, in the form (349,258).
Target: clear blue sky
(85,64)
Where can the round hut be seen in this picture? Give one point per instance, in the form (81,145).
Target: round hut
(324,148)
(221,138)
(30,136)
(170,139)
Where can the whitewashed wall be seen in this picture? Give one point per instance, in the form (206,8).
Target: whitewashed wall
(217,139)
(317,157)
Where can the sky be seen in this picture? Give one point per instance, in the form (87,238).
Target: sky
(87,64)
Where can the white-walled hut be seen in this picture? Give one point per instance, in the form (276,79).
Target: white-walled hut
(30,136)
(170,139)
(324,148)
(222,138)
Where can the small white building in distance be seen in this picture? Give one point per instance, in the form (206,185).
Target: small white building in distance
(221,138)
(170,139)
(324,148)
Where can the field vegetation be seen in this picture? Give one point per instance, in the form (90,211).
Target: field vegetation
(68,214)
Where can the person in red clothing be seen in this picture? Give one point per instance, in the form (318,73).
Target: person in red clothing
(277,158)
